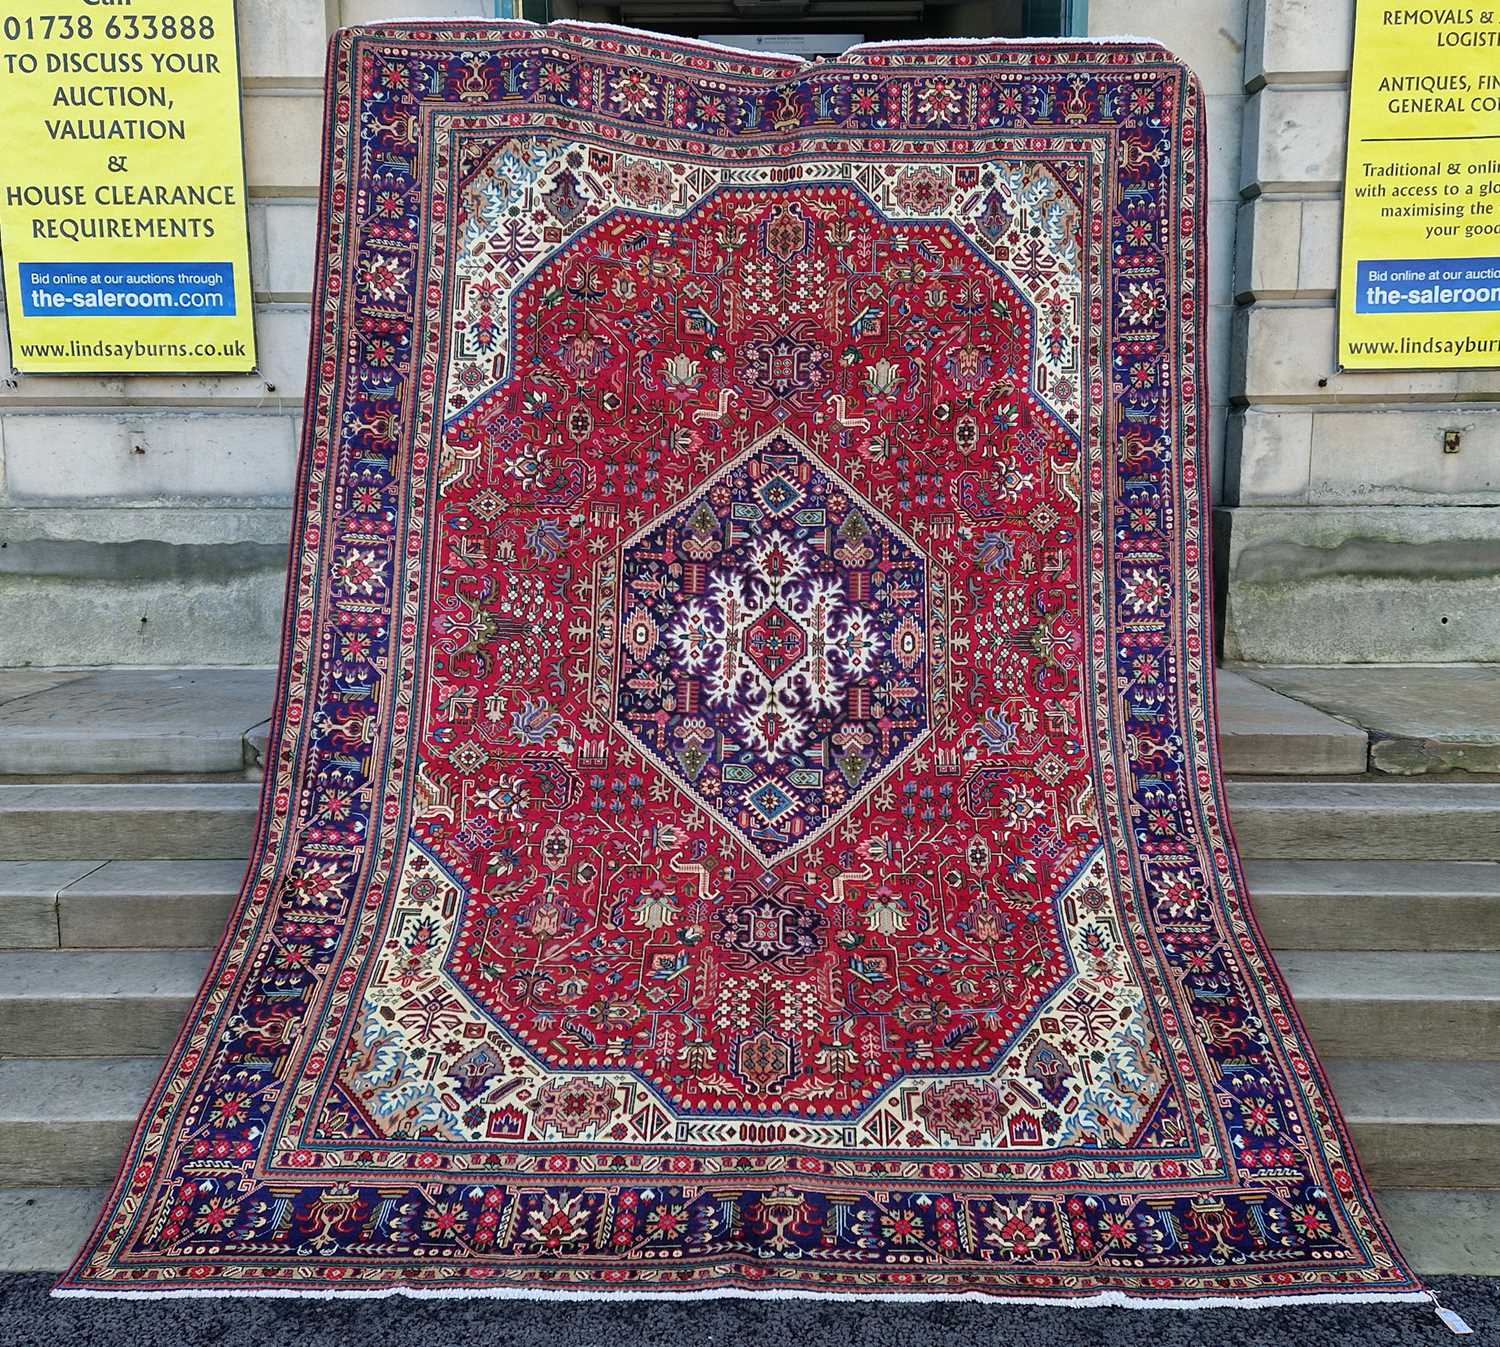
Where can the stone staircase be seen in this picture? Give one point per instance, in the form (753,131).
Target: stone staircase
(126,805)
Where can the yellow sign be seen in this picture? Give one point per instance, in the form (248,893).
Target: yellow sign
(122,187)
(1419,275)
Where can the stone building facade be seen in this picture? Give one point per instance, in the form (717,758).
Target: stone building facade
(144,520)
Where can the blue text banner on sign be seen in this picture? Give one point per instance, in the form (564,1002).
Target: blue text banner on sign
(71,288)
(1418,285)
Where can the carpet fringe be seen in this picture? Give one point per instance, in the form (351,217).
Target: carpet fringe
(726,49)
(1099,1300)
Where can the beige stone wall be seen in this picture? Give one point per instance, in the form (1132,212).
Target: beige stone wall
(1348,534)
(1353,536)
(144,520)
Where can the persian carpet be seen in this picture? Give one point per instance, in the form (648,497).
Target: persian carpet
(744,813)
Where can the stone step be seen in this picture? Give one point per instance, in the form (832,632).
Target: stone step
(123,721)
(206,721)
(1432,1124)
(1272,819)
(1444,1232)
(116,904)
(192,820)
(1417,905)
(70,1003)
(1303,905)
(1263,733)
(1415,1124)
(28,900)
(1402,1004)
(1420,717)
(68,1121)
(1367,820)
(1407,1005)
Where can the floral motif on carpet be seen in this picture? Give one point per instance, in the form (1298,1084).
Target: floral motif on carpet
(744,812)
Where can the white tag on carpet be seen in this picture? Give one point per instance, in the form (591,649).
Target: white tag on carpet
(1454,1320)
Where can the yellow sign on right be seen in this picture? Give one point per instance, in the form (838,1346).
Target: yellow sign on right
(1419,275)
